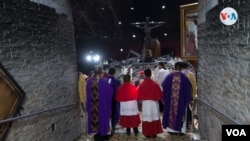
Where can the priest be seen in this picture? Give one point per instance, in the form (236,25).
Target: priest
(99,100)
(176,96)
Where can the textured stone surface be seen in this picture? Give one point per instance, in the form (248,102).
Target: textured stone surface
(62,6)
(223,70)
(38,50)
(165,136)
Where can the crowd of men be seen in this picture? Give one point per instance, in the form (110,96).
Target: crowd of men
(109,102)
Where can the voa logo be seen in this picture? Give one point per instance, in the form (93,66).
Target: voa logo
(228,16)
(236,132)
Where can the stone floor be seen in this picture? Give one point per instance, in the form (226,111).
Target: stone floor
(121,135)
(160,137)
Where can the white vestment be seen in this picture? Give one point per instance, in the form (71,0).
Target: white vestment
(150,110)
(162,73)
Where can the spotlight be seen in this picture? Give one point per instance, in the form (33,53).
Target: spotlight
(96,58)
(93,57)
(89,58)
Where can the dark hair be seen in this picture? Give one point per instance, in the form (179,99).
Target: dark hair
(106,66)
(162,64)
(184,64)
(147,72)
(178,65)
(98,70)
(126,78)
(112,71)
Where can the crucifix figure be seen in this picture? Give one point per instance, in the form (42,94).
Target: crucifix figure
(147,27)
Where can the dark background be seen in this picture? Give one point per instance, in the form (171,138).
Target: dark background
(95,19)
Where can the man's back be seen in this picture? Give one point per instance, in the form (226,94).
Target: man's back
(176,96)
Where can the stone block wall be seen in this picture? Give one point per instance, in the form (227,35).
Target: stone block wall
(223,69)
(60,6)
(37,48)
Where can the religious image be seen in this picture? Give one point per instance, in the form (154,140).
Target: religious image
(189,21)
(191,44)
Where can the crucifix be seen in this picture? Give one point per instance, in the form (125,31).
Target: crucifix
(147,27)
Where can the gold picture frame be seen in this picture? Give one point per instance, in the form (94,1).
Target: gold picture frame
(11,97)
(189,19)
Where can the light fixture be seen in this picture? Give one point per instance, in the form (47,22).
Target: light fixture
(89,58)
(96,58)
(93,57)
(163,6)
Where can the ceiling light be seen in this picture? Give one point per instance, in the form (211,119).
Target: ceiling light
(119,22)
(121,50)
(165,34)
(131,8)
(102,8)
(133,35)
(93,57)
(89,57)
(163,7)
(96,58)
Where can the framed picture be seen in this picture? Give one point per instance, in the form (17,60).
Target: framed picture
(189,20)
(11,97)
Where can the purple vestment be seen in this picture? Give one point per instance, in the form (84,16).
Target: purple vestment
(114,83)
(105,93)
(176,97)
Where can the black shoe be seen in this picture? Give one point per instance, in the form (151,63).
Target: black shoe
(181,134)
(136,131)
(174,133)
(128,131)
(97,137)
(105,138)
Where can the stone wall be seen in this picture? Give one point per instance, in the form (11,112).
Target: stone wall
(61,6)
(223,70)
(38,50)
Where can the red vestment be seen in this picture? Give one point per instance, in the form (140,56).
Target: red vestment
(124,94)
(150,90)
